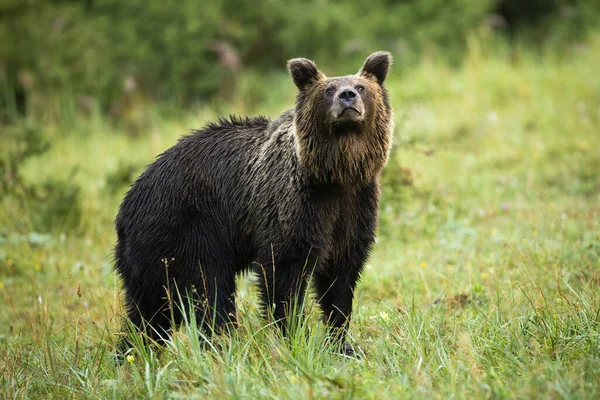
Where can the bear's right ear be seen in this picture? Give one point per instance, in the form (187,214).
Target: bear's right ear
(304,72)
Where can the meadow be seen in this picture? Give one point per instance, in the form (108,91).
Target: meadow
(484,283)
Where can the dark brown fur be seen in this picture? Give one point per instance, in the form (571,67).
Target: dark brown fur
(289,199)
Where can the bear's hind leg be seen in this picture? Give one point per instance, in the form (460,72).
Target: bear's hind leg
(150,317)
(212,297)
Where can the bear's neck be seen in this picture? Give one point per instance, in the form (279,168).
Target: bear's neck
(352,159)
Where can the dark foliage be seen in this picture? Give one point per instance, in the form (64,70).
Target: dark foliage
(115,54)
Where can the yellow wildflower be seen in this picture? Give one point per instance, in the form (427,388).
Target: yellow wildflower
(130,359)
(384,316)
(423,264)
(37,266)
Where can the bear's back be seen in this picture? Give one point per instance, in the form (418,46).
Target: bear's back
(209,167)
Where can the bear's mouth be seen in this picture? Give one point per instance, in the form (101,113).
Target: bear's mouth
(349,113)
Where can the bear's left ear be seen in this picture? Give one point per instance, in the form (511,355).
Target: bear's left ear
(304,72)
(377,65)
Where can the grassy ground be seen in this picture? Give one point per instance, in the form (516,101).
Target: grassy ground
(484,282)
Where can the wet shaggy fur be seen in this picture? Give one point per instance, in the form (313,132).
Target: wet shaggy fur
(290,199)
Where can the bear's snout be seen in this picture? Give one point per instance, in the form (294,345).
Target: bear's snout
(349,106)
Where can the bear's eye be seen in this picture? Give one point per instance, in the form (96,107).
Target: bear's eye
(360,88)
(329,91)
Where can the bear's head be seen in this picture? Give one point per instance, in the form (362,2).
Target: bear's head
(343,124)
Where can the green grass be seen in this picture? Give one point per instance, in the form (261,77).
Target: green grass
(485,281)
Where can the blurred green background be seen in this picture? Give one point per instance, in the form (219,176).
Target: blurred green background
(484,280)
(102,55)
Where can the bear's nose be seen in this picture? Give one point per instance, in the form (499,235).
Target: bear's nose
(347,96)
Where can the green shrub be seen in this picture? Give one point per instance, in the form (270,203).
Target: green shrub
(116,56)
(548,22)
(54,206)
(49,205)
(19,143)
(120,53)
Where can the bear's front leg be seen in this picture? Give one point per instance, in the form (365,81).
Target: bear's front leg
(283,285)
(335,295)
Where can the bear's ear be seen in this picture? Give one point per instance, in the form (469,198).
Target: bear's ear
(377,65)
(304,72)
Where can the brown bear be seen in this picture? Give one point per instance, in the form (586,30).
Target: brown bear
(291,199)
